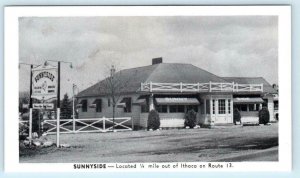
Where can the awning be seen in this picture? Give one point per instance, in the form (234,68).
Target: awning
(140,101)
(94,103)
(121,105)
(247,100)
(78,105)
(176,101)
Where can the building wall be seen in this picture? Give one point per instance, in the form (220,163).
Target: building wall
(167,119)
(249,117)
(271,107)
(107,111)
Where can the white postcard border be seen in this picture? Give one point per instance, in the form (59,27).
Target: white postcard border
(11,77)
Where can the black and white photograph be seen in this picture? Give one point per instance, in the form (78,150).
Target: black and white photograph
(125,89)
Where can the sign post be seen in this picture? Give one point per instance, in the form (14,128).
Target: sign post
(30,107)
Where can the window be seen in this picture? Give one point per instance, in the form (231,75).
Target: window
(176,108)
(108,102)
(213,103)
(241,107)
(207,106)
(221,106)
(229,106)
(253,107)
(275,105)
(192,107)
(127,102)
(84,105)
(98,105)
(162,108)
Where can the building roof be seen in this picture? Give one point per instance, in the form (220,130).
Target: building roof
(132,78)
(252,80)
(161,73)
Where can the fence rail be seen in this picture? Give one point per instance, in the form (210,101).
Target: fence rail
(87,125)
(200,87)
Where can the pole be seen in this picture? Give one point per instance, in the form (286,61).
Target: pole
(30,106)
(58,105)
(73,108)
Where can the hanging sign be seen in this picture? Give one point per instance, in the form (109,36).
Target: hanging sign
(44,82)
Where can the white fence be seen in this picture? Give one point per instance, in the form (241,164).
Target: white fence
(200,87)
(88,125)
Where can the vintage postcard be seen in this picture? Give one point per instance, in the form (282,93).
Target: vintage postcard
(148,88)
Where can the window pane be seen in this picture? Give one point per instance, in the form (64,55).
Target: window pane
(222,106)
(173,108)
(213,103)
(99,105)
(243,107)
(108,102)
(84,105)
(229,106)
(180,108)
(253,107)
(162,108)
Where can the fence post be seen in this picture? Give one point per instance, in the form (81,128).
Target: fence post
(132,123)
(103,123)
(181,87)
(30,126)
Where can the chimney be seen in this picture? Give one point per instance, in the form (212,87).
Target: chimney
(157,60)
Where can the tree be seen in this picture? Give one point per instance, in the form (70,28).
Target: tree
(153,120)
(66,108)
(190,118)
(264,116)
(114,87)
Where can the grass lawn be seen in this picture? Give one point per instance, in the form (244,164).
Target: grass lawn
(251,143)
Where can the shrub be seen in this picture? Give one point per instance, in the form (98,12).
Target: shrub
(264,116)
(236,116)
(153,120)
(190,118)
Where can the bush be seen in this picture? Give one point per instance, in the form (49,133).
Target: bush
(236,116)
(190,118)
(153,120)
(264,116)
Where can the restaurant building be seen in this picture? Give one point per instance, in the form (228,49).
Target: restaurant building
(174,88)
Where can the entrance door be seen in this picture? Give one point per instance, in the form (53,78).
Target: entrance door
(222,111)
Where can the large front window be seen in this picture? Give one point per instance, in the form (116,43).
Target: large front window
(176,108)
(162,108)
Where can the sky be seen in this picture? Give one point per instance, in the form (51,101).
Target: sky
(240,46)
